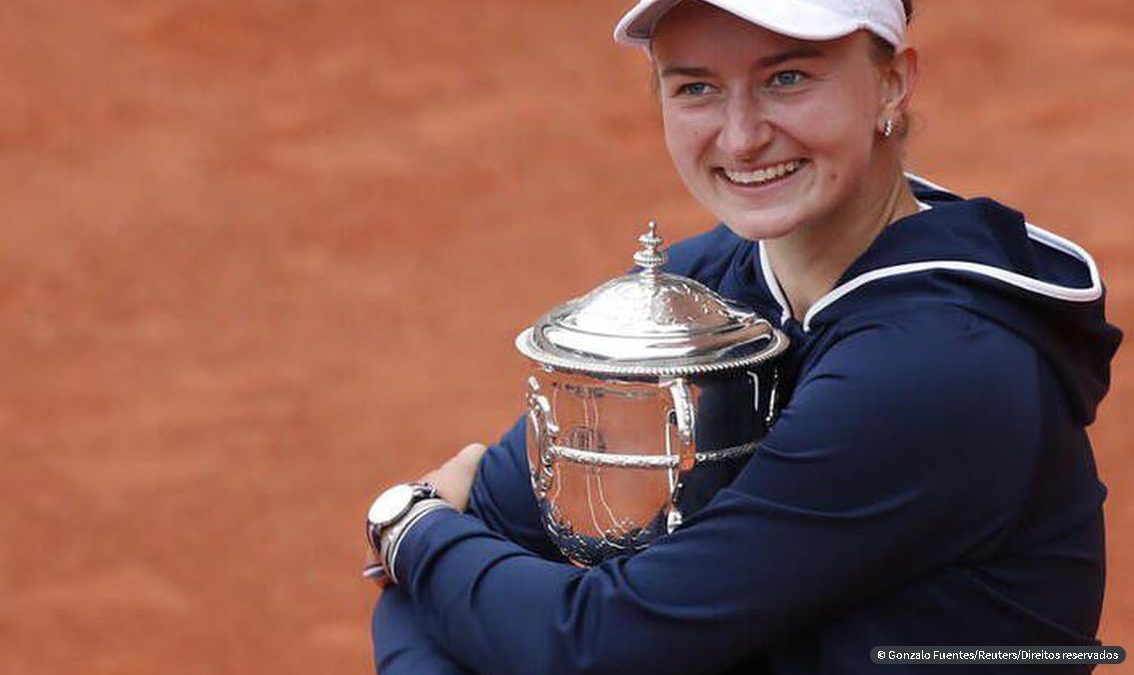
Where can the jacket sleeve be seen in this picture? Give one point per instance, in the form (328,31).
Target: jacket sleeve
(903,450)
(502,497)
(401,647)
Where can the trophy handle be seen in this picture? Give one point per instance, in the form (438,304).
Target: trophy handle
(543,431)
(683,418)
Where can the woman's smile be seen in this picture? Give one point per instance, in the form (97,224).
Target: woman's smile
(761,175)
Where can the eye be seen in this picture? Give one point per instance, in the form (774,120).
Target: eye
(787,78)
(694,89)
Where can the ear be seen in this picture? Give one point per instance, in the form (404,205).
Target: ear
(899,78)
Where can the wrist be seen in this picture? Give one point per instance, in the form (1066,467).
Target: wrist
(390,509)
(393,536)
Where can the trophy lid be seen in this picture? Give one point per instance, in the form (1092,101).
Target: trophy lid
(650,323)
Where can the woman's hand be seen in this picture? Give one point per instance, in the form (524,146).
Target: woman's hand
(454,478)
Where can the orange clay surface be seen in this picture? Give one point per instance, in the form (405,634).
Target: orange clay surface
(259,258)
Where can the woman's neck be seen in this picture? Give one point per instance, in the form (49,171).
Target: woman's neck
(809,261)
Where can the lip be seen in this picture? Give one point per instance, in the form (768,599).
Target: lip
(759,188)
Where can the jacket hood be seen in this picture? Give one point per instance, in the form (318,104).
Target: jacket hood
(984,257)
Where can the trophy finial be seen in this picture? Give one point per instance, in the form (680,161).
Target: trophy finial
(650,258)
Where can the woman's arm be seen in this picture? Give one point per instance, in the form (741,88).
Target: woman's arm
(401,647)
(888,463)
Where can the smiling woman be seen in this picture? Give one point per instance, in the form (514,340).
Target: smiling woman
(929,480)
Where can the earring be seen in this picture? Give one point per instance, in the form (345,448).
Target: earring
(888,128)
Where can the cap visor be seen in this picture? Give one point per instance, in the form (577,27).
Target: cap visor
(793,18)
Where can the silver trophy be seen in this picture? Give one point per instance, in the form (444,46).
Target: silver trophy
(647,396)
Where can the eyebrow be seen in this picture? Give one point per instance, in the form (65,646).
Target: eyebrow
(802,52)
(687,71)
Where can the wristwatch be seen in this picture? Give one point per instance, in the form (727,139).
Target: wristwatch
(389,518)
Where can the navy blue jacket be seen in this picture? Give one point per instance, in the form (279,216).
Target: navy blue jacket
(929,482)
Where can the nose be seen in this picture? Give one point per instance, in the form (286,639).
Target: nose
(745,130)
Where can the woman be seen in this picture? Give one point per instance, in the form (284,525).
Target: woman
(929,481)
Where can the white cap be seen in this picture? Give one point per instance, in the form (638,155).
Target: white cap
(802,19)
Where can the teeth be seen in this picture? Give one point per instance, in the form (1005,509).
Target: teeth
(763,175)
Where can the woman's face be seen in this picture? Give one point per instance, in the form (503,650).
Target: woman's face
(770,133)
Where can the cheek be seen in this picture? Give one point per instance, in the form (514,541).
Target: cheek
(685,137)
(838,141)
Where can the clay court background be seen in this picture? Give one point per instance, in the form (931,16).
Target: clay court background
(259,257)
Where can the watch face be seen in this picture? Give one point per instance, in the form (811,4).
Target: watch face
(390,505)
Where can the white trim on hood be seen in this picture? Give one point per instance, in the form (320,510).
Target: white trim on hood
(773,283)
(1037,234)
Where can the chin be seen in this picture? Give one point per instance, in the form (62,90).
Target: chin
(758,226)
